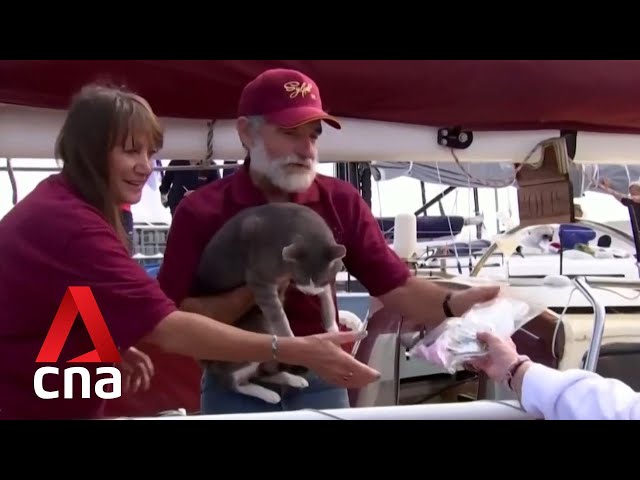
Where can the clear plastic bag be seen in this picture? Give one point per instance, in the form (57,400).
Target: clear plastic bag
(455,342)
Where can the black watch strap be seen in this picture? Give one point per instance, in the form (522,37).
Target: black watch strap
(445,305)
(514,368)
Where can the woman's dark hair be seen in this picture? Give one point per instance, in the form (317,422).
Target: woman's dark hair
(99,118)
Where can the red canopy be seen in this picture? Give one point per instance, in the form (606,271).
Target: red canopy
(484,95)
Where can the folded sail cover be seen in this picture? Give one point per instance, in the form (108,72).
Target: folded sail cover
(584,178)
(481,95)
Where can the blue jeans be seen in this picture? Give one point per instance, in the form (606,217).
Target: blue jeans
(217,400)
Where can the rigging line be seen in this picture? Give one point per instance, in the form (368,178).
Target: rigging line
(541,144)
(325,414)
(455,248)
(469,190)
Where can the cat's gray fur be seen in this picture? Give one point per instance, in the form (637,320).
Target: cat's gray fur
(256,247)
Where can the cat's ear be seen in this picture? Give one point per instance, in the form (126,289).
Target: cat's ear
(337,251)
(289,253)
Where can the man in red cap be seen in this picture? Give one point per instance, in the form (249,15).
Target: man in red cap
(280,119)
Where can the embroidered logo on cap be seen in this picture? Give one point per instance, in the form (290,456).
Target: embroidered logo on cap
(295,89)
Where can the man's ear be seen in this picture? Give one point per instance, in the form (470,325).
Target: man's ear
(244,132)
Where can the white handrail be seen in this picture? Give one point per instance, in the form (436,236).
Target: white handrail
(599,317)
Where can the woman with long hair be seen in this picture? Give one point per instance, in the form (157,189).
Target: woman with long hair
(68,232)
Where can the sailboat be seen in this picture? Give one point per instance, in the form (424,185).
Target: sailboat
(537,121)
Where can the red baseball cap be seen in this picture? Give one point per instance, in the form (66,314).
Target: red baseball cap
(285,97)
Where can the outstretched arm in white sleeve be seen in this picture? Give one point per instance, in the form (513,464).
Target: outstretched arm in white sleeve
(574,394)
(557,395)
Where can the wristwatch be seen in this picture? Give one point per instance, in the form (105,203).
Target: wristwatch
(514,368)
(446,307)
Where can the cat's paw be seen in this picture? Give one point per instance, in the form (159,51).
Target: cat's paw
(297,382)
(350,320)
(260,392)
(286,378)
(270,397)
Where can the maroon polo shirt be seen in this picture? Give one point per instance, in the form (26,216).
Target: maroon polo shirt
(51,240)
(201,214)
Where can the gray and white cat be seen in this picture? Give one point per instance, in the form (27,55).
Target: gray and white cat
(256,247)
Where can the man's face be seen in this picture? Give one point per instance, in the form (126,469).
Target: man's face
(634,190)
(286,157)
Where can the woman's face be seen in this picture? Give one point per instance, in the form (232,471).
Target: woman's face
(129,168)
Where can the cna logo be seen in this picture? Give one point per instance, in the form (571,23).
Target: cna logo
(79,300)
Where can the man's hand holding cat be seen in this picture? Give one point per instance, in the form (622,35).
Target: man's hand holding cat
(283,285)
(323,355)
(137,369)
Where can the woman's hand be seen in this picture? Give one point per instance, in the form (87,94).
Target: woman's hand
(137,370)
(323,355)
(500,356)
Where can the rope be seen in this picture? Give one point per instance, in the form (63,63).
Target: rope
(325,414)
(208,160)
(12,179)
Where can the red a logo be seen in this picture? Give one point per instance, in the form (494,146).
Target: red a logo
(79,300)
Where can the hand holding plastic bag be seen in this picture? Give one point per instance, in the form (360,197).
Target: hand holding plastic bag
(454,342)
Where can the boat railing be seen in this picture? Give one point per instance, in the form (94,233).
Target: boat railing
(494,248)
(479,410)
(599,316)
